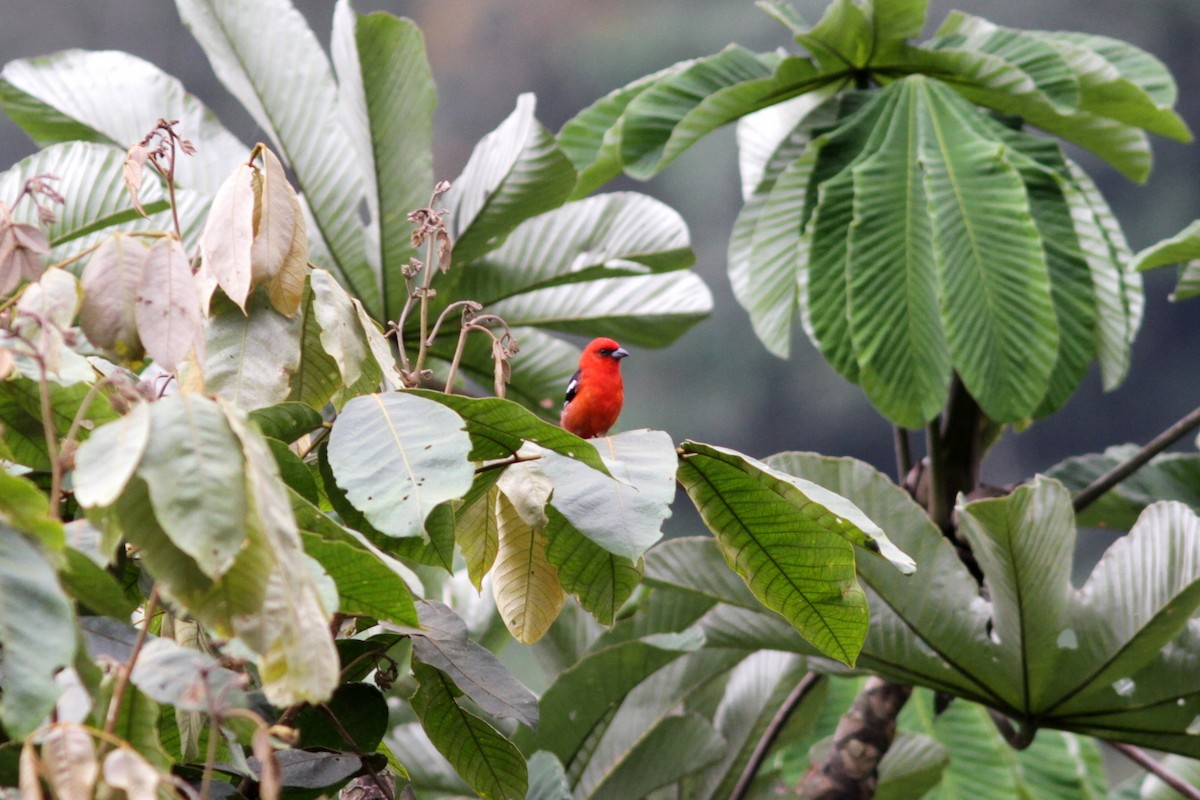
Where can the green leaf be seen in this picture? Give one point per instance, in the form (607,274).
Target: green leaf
(286,421)
(116,98)
(622,514)
(25,508)
(397,456)
(582,697)
(93,587)
(912,766)
(1169,476)
(514,173)
(204,515)
(441,642)
(757,515)
(1182,248)
(610,235)
(669,752)
(486,760)
(251,355)
(368,582)
(23,432)
(107,460)
(95,197)
(37,631)
(601,581)
(643,310)
(843,39)
(999,316)
(360,710)
(547,780)
(266,56)
(387,96)
(499,427)
(690,102)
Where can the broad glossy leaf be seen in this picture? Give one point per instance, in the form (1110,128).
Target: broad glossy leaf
(266,56)
(499,427)
(547,780)
(608,235)
(844,38)
(25,508)
(789,543)
(397,456)
(514,173)
(287,421)
(96,200)
(999,317)
(387,96)
(582,697)
(204,514)
(476,529)
(642,310)
(1170,476)
(600,580)
(912,766)
(361,711)
(110,284)
(93,587)
(168,313)
(290,633)
(485,759)
(37,630)
(252,355)
(1183,248)
(688,103)
(669,752)
(108,459)
(227,241)
(23,434)
(441,642)
(622,514)
(115,98)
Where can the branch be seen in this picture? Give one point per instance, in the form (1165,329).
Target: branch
(1091,493)
(864,734)
(1156,768)
(774,728)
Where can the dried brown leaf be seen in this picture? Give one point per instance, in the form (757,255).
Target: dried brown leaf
(29,780)
(228,235)
(126,769)
(168,315)
(286,289)
(276,217)
(69,758)
(269,777)
(135,160)
(110,289)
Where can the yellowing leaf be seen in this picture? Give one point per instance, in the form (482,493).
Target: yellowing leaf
(168,306)
(524,583)
(29,782)
(477,534)
(228,235)
(110,286)
(280,247)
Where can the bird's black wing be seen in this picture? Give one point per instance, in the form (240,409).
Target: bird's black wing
(573,386)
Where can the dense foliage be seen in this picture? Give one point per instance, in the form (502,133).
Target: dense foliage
(280,490)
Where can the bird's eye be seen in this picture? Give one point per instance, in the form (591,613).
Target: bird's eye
(604,351)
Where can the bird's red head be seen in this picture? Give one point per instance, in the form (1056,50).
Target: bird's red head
(601,351)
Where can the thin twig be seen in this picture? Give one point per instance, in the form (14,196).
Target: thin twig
(1156,768)
(1091,493)
(126,670)
(939,512)
(774,728)
(51,439)
(349,740)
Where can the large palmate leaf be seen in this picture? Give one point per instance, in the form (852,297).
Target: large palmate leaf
(116,98)
(386,92)
(268,58)
(95,198)
(1093,660)
(1170,476)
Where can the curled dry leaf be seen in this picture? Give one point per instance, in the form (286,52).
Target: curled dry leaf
(21,248)
(135,160)
(269,778)
(110,291)
(168,315)
(228,235)
(29,780)
(69,760)
(286,289)
(125,769)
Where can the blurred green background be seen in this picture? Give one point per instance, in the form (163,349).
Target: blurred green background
(717,384)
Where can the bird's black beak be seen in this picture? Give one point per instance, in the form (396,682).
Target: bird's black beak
(620,353)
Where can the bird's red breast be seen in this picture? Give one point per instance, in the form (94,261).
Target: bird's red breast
(595,392)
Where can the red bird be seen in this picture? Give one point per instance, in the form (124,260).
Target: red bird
(595,393)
